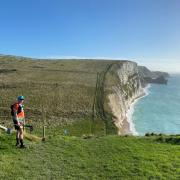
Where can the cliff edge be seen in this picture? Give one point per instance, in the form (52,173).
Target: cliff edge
(117,88)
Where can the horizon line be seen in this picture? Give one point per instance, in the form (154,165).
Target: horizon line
(148,64)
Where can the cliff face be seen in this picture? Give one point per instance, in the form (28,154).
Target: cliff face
(123,94)
(124,82)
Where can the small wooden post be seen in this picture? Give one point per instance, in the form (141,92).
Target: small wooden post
(44,134)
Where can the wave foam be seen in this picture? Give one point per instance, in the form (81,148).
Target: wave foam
(130,111)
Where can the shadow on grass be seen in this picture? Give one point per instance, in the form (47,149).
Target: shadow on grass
(171,140)
(162,138)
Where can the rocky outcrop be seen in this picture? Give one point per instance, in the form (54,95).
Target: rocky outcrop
(148,76)
(158,80)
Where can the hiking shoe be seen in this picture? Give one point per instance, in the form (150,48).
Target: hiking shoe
(17,145)
(17,142)
(22,146)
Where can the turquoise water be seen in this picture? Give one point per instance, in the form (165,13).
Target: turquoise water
(159,112)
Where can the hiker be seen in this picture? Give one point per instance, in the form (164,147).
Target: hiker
(18,116)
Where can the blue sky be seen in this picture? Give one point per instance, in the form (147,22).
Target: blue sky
(146,31)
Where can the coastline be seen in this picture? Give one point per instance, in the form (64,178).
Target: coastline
(130,111)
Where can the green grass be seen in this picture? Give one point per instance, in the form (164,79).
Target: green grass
(78,128)
(107,157)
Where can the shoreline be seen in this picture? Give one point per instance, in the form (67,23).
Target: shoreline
(130,111)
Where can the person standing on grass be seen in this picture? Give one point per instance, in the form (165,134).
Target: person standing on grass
(18,117)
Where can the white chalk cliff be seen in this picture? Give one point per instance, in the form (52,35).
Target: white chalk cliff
(123,94)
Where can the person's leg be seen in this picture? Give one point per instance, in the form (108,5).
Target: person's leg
(17,128)
(21,136)
(17,138)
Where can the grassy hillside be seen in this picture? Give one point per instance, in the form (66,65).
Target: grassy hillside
(57,92)
(108,157)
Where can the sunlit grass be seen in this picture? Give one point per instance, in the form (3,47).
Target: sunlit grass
(90,157)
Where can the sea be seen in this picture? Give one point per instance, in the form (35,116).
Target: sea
(159,110)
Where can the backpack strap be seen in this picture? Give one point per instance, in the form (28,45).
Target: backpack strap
(19,109)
